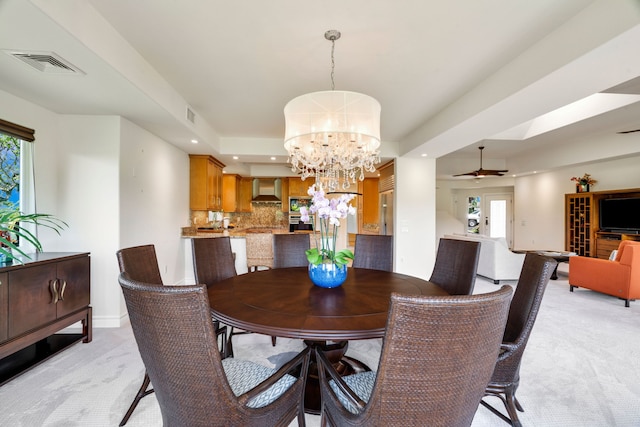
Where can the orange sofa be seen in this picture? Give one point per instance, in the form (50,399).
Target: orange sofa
(619,277)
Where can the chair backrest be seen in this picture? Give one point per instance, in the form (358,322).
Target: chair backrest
(447,347)
(374,252)
(173,329)
(289,250)
(212,260)
(140,263)
(259,250)
(623,245)
(456,265)
(523,311)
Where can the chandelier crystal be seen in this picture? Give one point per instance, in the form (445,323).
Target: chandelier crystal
(333,135)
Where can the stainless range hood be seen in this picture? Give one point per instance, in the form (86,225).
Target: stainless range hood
(267,190)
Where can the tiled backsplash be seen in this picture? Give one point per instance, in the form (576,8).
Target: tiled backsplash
(263,215)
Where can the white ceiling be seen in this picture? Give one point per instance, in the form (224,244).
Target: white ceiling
(449,75)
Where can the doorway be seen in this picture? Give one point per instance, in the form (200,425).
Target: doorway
(498,219)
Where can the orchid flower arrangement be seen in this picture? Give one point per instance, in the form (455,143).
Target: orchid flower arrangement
(329,213)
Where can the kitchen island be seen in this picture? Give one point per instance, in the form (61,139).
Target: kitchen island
(238,245)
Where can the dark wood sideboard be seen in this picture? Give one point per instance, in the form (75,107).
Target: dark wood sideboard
(41,296)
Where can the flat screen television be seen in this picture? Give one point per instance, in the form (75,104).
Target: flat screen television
(620,215)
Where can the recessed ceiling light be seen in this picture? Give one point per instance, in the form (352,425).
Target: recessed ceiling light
(235,157)
(195,141)
(273,158)
(424,154)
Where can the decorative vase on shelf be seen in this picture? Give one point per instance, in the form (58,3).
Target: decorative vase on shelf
(582,188)
(327,275)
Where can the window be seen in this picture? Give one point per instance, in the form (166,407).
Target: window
(16,168)
(9,171)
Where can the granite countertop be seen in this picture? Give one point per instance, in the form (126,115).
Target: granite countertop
(239,233)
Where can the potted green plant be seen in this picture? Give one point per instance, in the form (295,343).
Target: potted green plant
(12,230)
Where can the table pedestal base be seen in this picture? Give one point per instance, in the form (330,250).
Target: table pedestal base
(345,365)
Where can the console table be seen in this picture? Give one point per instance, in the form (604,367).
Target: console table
(44,294)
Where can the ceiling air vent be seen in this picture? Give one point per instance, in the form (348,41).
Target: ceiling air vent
(46,62)
(191,116)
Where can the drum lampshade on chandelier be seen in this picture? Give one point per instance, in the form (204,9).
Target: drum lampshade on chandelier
(333,135)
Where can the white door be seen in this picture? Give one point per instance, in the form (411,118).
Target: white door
(498,216)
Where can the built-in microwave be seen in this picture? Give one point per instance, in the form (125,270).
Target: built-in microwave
(295,203)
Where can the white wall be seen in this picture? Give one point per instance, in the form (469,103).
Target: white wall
(414,216)
(84,176)
(154,197)
(539,199)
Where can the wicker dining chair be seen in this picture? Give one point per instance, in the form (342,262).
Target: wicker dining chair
(525,304)
(436,360)
(456,265)
(289,250)
(259,250)
(193,384)
(141,263)
(213,261)
(373,251)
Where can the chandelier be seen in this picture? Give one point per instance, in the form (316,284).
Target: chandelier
(333,135)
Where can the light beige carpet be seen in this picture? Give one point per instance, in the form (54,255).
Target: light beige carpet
(581,368)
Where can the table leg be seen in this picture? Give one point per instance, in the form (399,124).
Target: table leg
(345,365)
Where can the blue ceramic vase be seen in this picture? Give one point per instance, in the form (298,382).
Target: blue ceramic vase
(328,275)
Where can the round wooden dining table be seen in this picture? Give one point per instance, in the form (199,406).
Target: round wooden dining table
(285,303)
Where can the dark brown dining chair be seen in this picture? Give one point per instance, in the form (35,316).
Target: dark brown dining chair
(141,263)
(437,357)
(374,252)
(456,265)
(193,384)
(289,250)
(525,304)
(213,261)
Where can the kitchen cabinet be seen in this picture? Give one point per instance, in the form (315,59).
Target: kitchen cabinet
(230,192)
(245,195)
(370,201)
(298,187)
(236,193)
(205,175)
(46,294)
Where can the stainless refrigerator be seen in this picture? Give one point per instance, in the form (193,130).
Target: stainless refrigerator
(386,212)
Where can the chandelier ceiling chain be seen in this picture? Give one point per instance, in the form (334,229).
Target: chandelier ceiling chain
(332,36)
(333,135)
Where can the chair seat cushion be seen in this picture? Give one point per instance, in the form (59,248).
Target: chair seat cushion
(361,384)
(243,375)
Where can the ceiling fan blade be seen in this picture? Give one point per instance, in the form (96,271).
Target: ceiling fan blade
(474,173)
(484,172)
(497,172)
(629,131)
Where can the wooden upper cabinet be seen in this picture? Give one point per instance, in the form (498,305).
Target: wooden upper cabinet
(230,192)
(298,187)
(245,195)
(205,175)
(236,193)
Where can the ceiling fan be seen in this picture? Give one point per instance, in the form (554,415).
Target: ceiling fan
(483,172)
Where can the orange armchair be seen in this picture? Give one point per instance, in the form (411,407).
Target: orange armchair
(620,277)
